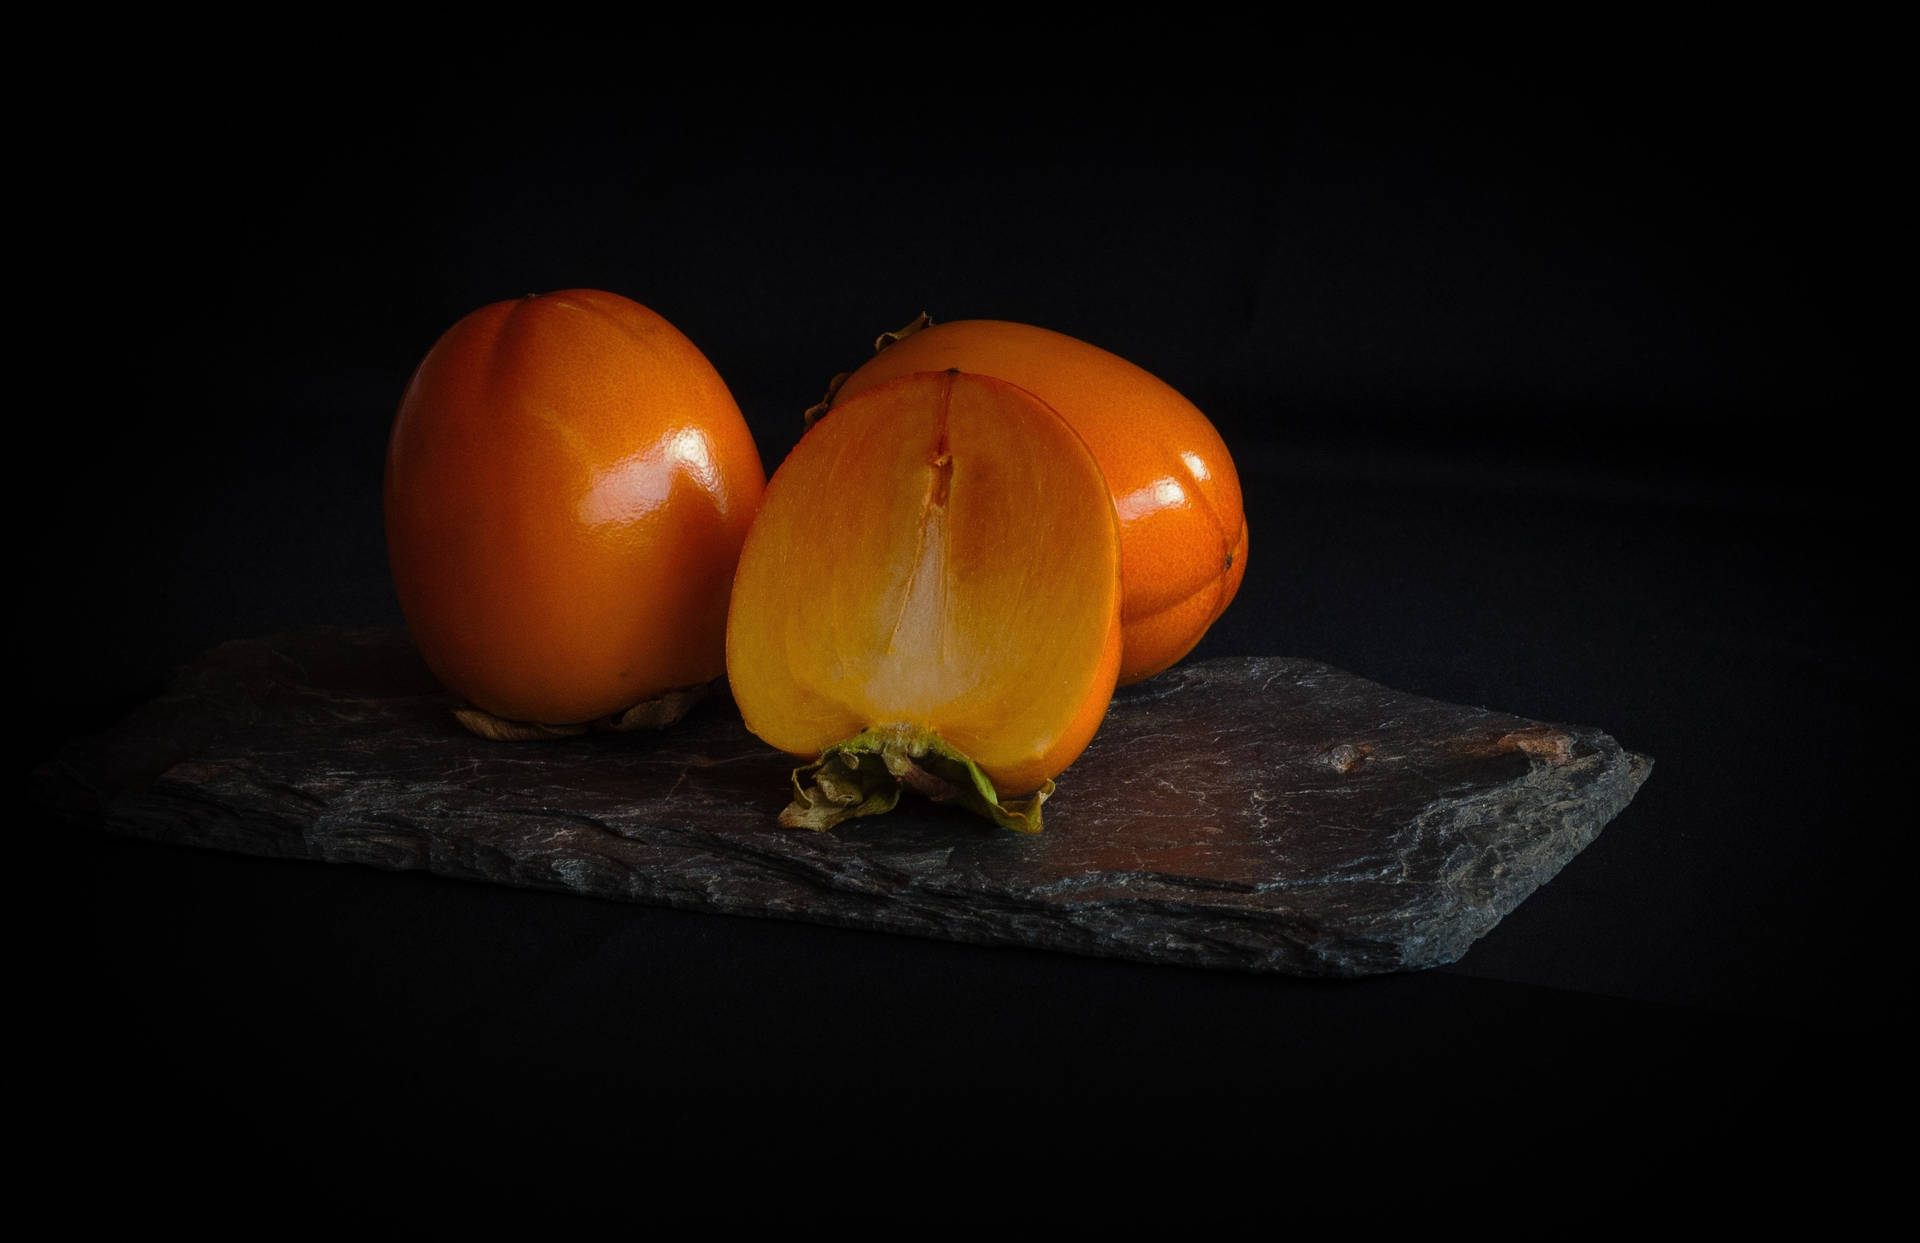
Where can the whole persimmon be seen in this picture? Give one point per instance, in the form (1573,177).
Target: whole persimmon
(930,598)
(568,485)
(1183,531)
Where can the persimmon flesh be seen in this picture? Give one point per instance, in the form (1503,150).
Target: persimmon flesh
(930,593)
(1183,530)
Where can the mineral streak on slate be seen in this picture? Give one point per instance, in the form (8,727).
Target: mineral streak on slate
(1268,814)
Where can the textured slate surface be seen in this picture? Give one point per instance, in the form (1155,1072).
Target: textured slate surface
(1259,814)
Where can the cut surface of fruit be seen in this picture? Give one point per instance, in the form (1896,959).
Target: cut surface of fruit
(936,561)
(1183,531)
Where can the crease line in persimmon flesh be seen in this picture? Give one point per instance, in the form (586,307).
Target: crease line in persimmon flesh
(1183,529)
(929,598)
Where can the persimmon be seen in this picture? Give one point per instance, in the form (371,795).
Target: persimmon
(568,485)
(1183,531)
(929,597)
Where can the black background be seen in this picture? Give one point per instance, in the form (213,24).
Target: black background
(1544,360)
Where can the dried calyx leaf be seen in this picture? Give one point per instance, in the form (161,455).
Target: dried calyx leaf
(922,320)
(500,729)
(818,410)
(659,712)
(864,775)
(656,713)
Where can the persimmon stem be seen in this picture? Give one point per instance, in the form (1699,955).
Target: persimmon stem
(863,776)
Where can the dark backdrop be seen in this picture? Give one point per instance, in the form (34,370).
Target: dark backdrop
(1544,363)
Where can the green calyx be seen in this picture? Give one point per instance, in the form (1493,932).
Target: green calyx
(864,775)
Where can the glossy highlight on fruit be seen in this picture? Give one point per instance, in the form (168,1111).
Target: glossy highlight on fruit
(568,486)
(1183,531)
(930,598)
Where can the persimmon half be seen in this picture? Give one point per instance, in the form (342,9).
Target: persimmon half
(1183,529)
(568,486)
(929,598)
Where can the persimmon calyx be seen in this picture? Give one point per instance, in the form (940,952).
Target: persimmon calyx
(818,410)
(659,712)
(863,776)
(499,729)
(922,320)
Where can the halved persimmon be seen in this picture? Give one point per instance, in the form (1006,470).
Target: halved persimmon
(929,597)
(1183,530)
(568,485)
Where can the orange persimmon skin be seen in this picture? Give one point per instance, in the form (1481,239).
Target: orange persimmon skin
(1183,530)
(568,485)
(1015,554)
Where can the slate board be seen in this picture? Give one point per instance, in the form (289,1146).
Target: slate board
(1257,814)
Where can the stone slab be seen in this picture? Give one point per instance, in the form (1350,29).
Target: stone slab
(1262,814)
